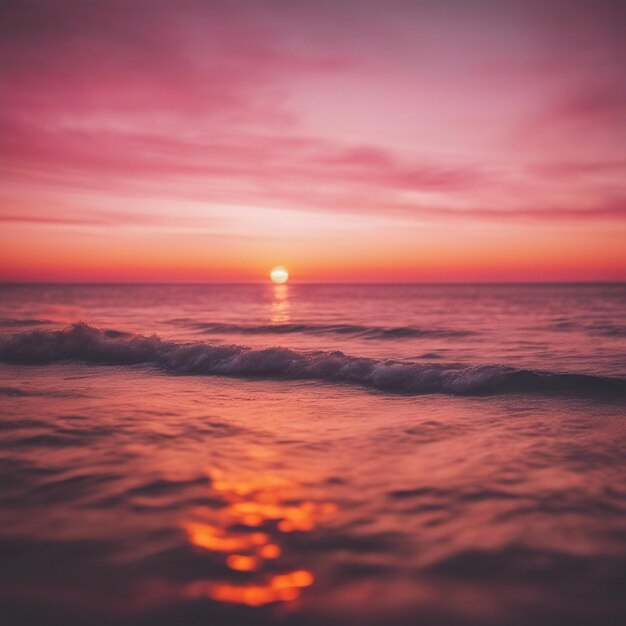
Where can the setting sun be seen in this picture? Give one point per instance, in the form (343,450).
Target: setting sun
(279,275)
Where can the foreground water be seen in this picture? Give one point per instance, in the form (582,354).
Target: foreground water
(461,461)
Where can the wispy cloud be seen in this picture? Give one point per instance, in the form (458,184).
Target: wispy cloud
(412,111)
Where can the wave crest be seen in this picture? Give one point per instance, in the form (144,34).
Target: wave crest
(83,343)
(365,332)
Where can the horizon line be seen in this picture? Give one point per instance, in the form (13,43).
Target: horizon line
(311,283)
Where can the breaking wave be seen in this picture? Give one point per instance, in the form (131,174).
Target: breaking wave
(365,332)
(83,343)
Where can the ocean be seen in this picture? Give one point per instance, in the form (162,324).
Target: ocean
(313,455)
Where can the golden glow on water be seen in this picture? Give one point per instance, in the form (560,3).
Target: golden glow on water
(279,588)
(280,305)
(242,563)
(217,540)
(249,503)
(270,551)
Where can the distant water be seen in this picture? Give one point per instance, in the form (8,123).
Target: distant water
(313,455)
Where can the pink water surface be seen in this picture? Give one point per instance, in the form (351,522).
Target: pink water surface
(136,492)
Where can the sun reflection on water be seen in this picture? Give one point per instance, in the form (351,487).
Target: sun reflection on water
(257,511)
(279,313)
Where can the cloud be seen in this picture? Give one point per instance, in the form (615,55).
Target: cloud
(195,100)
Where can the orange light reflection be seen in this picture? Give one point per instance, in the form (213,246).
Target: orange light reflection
(265,501)
(280,305)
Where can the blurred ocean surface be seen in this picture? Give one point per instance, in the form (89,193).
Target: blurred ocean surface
(315,455)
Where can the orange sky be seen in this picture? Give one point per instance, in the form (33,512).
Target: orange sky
(396,141)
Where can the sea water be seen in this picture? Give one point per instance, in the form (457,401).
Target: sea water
(308,454)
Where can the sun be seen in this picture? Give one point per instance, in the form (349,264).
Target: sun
(279,275)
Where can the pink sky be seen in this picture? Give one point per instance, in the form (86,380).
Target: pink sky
(372,140)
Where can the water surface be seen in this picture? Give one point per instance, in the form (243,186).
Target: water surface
(312,455)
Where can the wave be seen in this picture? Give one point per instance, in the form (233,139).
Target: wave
(83,343)
(366,332)
(4,322)
(603,329)
(29,393)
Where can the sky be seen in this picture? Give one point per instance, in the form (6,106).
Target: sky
(349,141)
